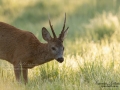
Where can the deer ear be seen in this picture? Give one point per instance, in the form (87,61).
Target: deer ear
(64,35)
(46,35)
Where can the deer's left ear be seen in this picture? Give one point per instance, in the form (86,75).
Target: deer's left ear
(45,34)
(65,34)
(62,37)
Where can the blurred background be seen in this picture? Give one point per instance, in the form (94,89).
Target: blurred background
(91,19)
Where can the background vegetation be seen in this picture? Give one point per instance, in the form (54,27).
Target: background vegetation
(92,46)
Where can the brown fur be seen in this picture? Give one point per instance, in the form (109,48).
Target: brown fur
(24,50)
(17,46)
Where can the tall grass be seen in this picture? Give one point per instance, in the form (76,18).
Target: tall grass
(105,26)
(92,47)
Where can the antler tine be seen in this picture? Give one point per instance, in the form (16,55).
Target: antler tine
(63,30)
(64,24)
(54,35)
(66,29)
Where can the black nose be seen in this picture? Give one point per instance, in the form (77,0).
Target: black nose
(60,59)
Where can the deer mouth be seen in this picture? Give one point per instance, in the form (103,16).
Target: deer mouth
(60,60)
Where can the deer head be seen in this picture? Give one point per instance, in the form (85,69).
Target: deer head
(55,44)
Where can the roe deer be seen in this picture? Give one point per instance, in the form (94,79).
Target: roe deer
(24,50)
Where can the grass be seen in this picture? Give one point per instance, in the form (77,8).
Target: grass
(92,46)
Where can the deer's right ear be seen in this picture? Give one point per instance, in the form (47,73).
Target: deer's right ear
(46,35)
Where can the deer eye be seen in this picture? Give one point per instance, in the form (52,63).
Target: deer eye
(53,48)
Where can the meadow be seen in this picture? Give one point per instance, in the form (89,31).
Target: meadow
(92,45)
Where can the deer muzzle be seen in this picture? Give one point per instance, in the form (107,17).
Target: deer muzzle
(60,59)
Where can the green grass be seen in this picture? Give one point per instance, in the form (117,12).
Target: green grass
(92,46)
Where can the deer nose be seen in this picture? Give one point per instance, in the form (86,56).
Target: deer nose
(60,59)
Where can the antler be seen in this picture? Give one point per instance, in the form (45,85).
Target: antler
(63,30)
(54,35)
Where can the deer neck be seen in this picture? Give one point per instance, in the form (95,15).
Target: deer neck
(44,54)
